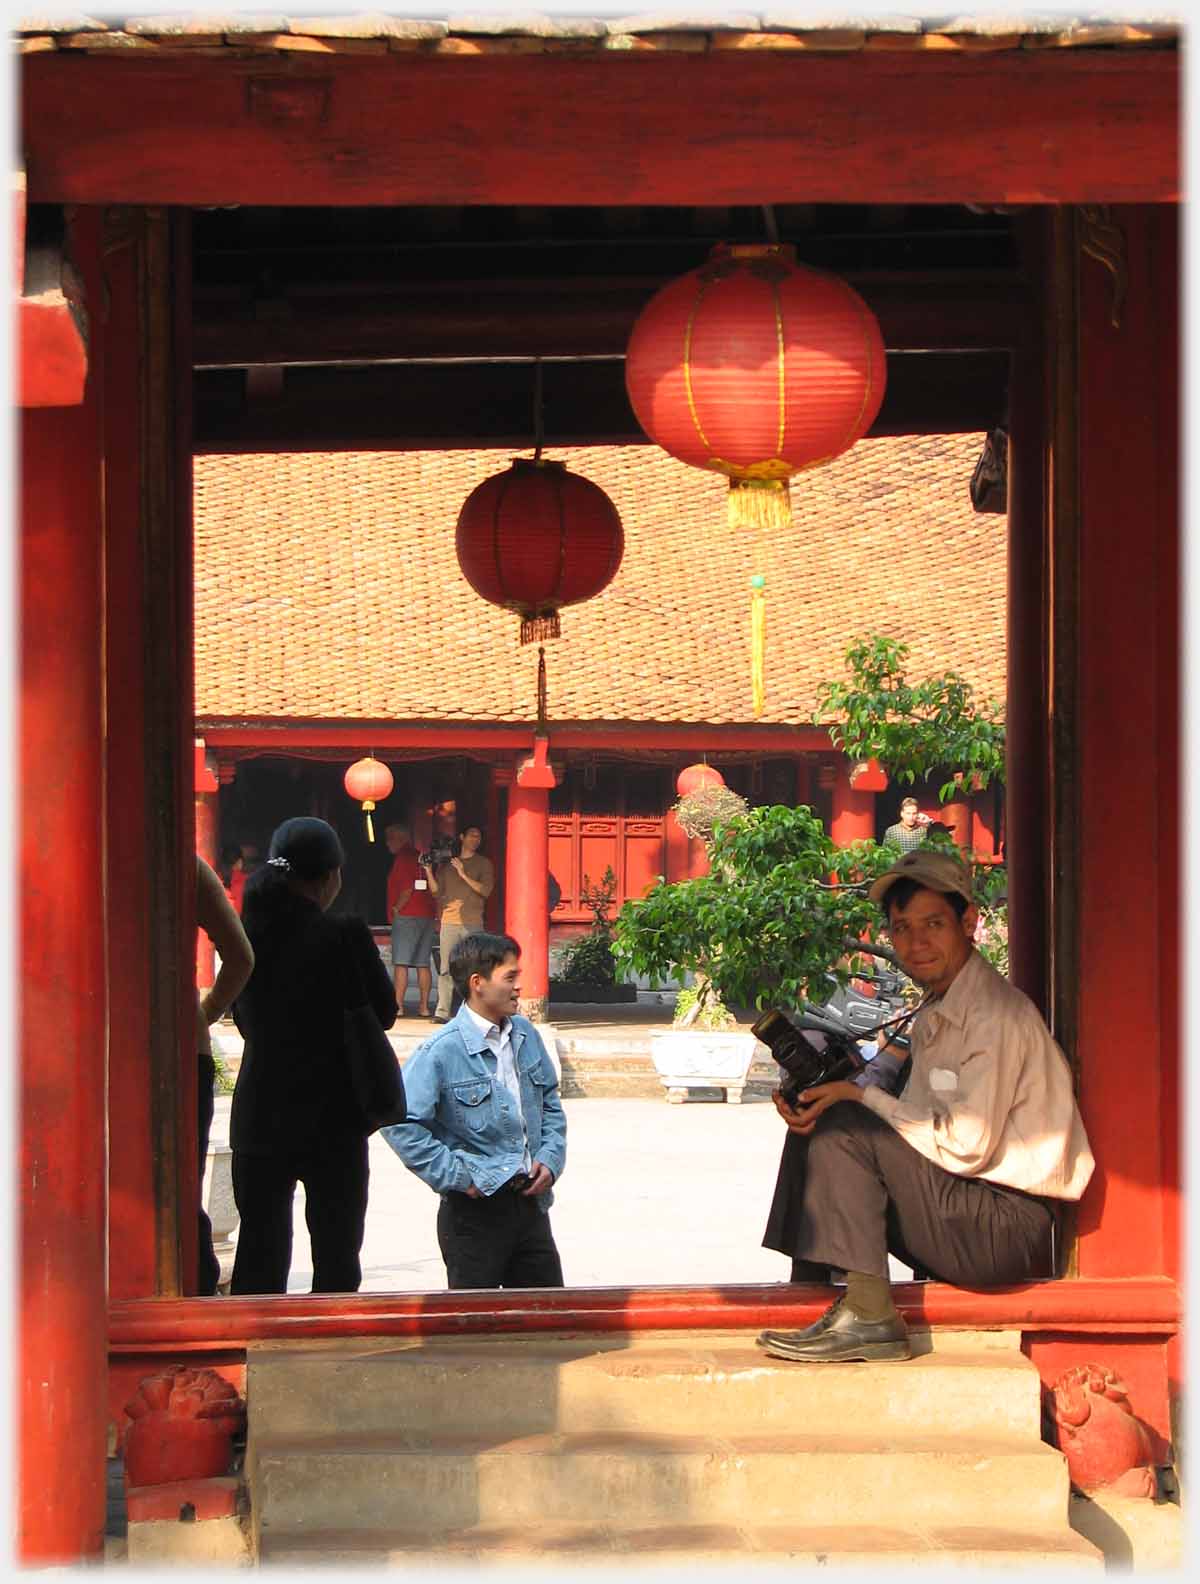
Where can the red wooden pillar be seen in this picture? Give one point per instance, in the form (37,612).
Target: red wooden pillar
(1028,815)
(526,892)
(1127,899)
(62,1322)
(853,812)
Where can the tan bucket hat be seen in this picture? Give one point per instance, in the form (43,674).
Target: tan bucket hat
(936,871)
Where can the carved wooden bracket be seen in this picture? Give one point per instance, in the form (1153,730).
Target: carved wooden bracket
(1105,1443)
(1103,240)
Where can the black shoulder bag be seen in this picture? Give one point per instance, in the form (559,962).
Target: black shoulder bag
(375,1076)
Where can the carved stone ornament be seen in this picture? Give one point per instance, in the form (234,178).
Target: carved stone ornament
(1105,1443)
(184,1421)
(1103,240)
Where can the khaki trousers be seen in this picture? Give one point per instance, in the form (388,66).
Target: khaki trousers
(448,939)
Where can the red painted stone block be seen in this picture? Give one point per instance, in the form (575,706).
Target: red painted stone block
(183,1424)
(206,1498)
(1105,1443)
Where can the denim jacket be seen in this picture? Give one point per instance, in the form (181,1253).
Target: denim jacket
(461,1129)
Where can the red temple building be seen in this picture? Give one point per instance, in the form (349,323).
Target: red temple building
(341,238)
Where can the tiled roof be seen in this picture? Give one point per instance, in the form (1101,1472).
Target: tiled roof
(677,28)
(327,588)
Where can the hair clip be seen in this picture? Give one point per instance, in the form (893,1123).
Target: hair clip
(280,863)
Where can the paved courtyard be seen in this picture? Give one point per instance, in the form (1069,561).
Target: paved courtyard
(653,1194)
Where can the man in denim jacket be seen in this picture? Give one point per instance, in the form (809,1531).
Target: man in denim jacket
(486,1128)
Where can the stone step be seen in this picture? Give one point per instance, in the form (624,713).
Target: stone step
(694,1544)
(610,1086)
(647,1478)
(962,1383)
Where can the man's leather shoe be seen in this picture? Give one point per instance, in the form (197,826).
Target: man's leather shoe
(839,1336)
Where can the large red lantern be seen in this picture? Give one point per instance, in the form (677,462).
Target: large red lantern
(756,367)
(368,782)
(697,776)
(536,538)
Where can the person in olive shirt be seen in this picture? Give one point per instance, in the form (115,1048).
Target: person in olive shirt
(461,886)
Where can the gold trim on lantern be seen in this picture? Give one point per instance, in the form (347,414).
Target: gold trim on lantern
(687,367)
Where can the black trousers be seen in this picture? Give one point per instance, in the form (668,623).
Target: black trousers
(502,1241)
(208,1266)
(854,1191)
(335,1175)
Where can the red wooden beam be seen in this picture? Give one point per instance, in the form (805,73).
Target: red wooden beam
(53,361)
(281,737)
(1146,1306)
(1049,126)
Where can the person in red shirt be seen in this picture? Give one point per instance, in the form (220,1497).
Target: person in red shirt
(412,916)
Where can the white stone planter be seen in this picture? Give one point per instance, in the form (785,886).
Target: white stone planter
(695,1059)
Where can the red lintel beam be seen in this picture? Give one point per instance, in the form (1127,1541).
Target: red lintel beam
(1004,127)
(277,736)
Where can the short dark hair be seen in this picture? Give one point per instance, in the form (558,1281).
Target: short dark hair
(479,953)
(902,893)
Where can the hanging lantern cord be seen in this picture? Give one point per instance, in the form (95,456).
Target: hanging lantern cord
(770,223)
(539,425)
(541,692)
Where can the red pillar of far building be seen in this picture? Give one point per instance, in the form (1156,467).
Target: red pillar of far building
(526,892)
(853,813)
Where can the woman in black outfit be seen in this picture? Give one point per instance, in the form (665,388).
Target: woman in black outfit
(294,1118)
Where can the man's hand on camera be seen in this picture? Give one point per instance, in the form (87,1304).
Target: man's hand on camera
(812,1103)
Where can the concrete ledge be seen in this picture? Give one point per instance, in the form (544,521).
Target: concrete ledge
(1135,1535)
(213,1542)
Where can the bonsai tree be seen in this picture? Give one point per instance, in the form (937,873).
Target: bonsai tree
(698,1005)
(912,729)
(588,959)
(770,921)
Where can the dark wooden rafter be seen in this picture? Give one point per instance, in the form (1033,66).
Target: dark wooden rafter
(420,406)
(706,129)
(552,318)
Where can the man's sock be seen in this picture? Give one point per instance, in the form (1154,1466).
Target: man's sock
(870,1297)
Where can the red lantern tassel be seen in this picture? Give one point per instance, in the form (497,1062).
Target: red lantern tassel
(368,805)
(759,503)
(535,629)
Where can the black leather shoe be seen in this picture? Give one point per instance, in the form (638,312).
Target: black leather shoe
(839,1336)
(437,1019)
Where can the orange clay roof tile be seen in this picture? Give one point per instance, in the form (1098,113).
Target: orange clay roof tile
(327,588)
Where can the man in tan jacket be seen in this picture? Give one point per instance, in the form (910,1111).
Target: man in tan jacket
(965,1172)
(461,887)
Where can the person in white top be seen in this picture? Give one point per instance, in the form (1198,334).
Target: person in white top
(965,1172)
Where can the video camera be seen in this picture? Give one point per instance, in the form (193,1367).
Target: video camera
(810,1050)
(441,850)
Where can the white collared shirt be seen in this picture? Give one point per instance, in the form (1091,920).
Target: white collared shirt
(498,1039)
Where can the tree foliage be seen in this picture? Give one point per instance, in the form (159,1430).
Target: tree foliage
(913,729)
(770,922)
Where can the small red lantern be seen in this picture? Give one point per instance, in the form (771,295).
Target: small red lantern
(756,367)
(537,538)
(697,776)
(369,782)
(868,775)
